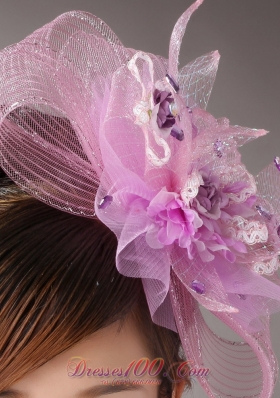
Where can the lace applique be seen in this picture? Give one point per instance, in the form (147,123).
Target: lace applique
(153,158)
(191,187)
(245,193)
(249,232)
(269,267)
(142,111)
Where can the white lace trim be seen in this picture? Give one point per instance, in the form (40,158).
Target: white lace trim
(269,267)
(249,232)
(153,158)
(191,187)
(142,111)
(135,71)
(243,195)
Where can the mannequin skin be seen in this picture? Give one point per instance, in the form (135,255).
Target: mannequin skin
(111,348)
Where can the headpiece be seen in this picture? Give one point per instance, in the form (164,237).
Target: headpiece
(99,130)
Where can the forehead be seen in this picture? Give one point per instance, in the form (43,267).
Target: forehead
(112,351)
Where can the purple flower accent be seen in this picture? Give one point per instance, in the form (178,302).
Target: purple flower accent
(210,199)
(171,220)
(162,120)
(164,117)
(197,226)
(212,205)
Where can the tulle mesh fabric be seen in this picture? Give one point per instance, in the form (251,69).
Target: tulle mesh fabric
(68,138)
(235,369)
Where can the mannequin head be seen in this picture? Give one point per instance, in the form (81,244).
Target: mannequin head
(63,301)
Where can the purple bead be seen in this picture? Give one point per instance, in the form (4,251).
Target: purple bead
(198,287)
(242,296)
(177,133)
(172,82)
(277,162)
(263,212)
(105,202)
(218,147)
(278,231)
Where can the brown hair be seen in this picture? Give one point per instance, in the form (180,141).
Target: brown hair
(53,270)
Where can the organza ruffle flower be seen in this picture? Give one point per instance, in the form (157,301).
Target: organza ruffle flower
(214,206)
(210,199)
(199,226)
(171,221)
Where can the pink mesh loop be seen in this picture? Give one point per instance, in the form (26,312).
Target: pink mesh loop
(237,369)
(177,37)
(196,79)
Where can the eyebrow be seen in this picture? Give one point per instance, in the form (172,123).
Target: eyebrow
(106,389)
(12,393)
(92,392)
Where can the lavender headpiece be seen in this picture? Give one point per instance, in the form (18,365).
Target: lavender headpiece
(104,131)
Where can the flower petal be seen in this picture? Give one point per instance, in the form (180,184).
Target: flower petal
(152,239)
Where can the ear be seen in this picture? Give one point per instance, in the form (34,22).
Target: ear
(178,389)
